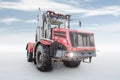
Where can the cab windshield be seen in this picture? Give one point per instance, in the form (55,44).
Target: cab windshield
(59,23)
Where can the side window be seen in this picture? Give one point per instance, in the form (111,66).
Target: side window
(47,30)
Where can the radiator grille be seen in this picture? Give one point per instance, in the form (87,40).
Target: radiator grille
(82,39)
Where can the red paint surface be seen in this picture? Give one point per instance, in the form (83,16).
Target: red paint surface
(30,47)
(45,42)
(66,41)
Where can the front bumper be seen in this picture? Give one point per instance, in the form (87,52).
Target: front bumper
(74,55)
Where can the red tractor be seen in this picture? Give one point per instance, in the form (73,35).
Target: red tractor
(55,41)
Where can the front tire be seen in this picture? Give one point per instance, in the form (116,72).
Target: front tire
(72,64)
(43,60)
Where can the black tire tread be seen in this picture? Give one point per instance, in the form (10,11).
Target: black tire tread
(29,59)
(47,64)
(72,64)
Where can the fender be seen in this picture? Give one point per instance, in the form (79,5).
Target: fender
(30,47)
(45,42)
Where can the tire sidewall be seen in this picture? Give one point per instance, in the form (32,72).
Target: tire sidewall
(39,52)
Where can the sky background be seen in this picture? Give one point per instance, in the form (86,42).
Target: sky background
(99,16)
(18,21)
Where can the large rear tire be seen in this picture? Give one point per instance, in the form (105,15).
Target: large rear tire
(29,57)
(43,60)
(72,64)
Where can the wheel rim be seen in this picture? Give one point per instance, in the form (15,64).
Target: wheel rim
(39,59)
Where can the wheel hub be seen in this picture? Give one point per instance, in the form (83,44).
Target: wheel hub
(40,59)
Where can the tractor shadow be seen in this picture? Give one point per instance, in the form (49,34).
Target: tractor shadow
(58,67)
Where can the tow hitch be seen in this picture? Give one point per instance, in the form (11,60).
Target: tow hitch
(90,58)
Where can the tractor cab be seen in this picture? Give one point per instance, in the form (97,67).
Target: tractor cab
(58,20)
(50,20)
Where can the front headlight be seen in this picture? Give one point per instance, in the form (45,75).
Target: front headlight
(69,54)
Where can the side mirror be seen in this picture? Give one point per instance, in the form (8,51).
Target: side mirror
(79,23)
